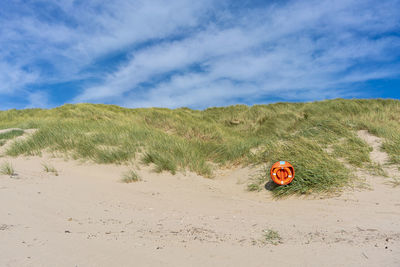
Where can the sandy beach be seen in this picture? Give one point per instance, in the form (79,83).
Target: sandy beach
(86,216)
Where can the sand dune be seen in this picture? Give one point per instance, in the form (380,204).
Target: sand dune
(86,216)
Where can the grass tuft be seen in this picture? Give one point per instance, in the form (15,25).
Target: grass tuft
(162,163)
(7,169)
(49,168)
(130,177)
(395,182)
(272,237)
(254,187)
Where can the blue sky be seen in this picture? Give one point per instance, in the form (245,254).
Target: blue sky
(196,53)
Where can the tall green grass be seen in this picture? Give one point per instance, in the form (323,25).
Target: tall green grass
(200,141)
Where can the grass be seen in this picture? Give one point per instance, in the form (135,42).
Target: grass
(271,237)
(257,181)
(376,169)
(6,168)
(203,140)
(395,182)
(130,177)
(9,135)
(49,168)
(255,186)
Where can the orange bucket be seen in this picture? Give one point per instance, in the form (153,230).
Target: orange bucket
(282,172)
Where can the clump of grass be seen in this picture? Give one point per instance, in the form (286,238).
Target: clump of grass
(395,182)
(130,177)
(6,168)
(49,168)
(162,163)
(254,187)
(271,237)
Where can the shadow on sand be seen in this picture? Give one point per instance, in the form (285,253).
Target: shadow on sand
(270,185)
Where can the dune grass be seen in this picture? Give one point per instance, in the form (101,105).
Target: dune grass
(9,135)
(50,169)
(201,141)
(6,168)
(130,177)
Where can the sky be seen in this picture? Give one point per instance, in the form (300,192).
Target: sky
(196,54)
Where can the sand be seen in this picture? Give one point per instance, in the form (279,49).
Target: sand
(86,216)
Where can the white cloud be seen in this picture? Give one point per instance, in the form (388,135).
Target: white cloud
(304,50)
(13,77)
(37,99)
(96,28)
(202,53)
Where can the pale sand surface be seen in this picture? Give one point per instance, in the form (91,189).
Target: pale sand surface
(87,217)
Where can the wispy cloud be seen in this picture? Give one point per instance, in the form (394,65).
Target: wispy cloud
(57,41)
(197,54)
(13,76)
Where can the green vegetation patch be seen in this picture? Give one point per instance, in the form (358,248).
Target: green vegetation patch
(319,139)
(50,169)
(271,237)
(6,168)
(130,177)
(9,135)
